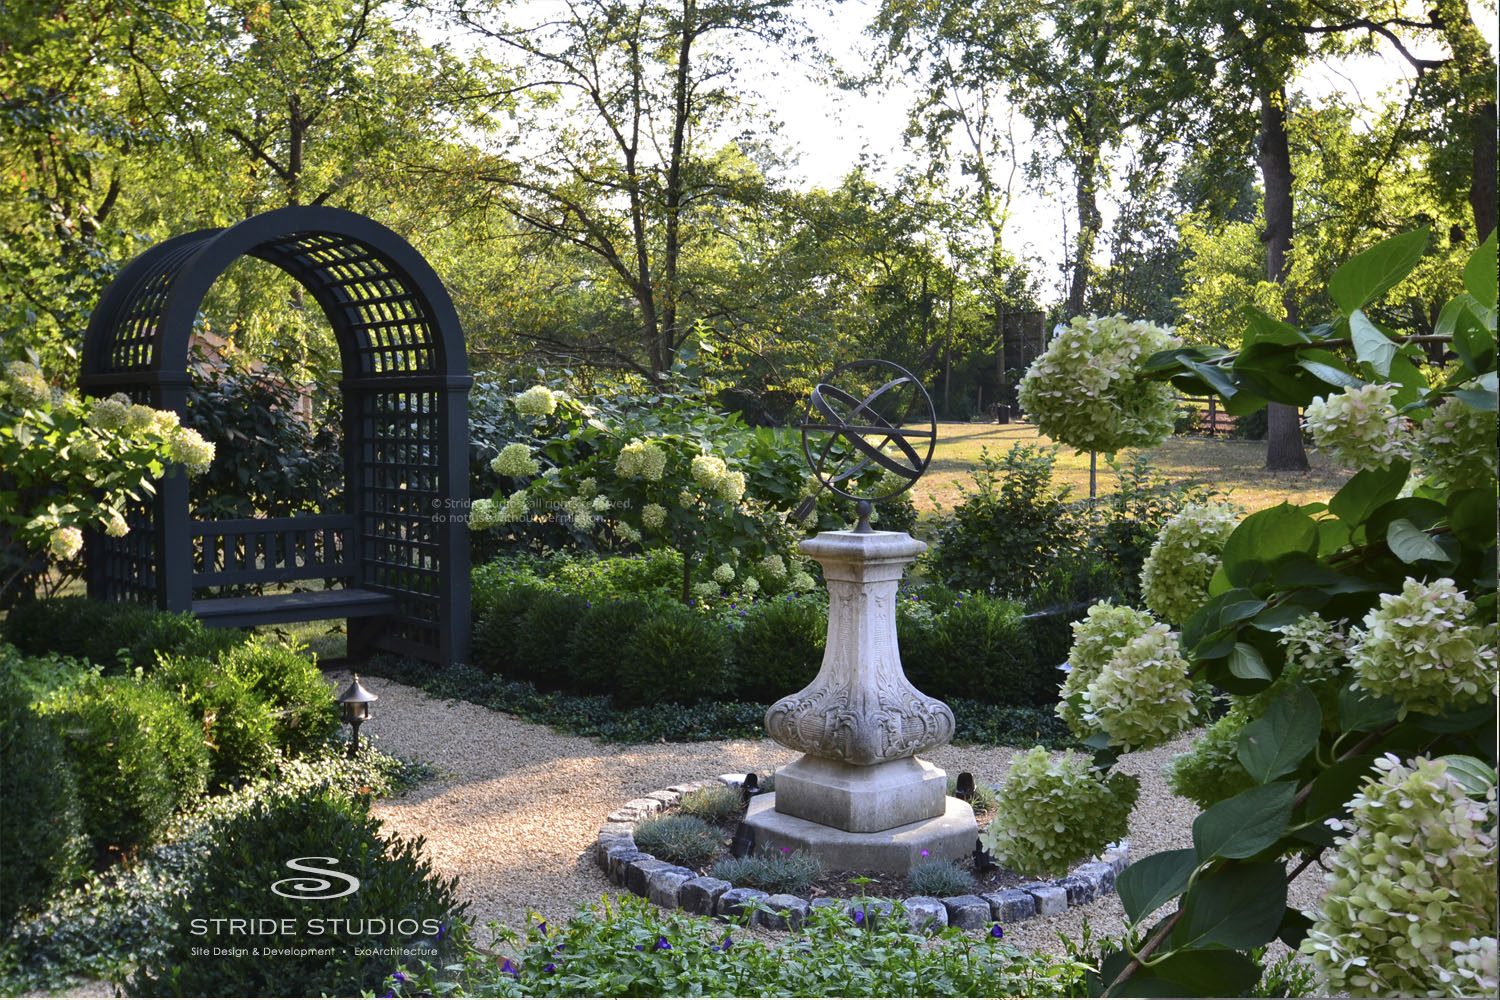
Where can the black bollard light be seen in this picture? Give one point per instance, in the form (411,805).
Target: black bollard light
(963,787)
(355,705)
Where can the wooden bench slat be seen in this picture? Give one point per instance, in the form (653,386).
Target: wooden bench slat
(272,609)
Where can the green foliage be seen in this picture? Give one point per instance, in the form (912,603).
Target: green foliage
(287,679)
(680,839)
(497,629)
(270,460)
(984,796)
(776,871)
(778,645)
(137,755)
(396,885)
(680,654)
(41,833)
(544,636)
(938,878)
(628,947)
(599,634)
(116,636)
(1002,538)
(714,804)
(1051,814)
(1210,771)
(239,726)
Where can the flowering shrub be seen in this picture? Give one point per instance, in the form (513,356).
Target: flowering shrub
(1317,703)
(1143,696)
(1174,578)
(1423,647)
(1051,813)
(1410,909)
(1360,427)
(1082,390)
(1105,629)
(70,463)
(1456,445)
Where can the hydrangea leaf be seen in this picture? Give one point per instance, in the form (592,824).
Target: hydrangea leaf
(1152,881)
(1371,346)
(1264,536)
(1362,712)
(1367,276)
(1246,663)
(1245,825)
(1473,774)
(1333,789)
(1205,973)
(1277,742)
(1238,906)
(1411,544)
(1362,495)
(1479,273)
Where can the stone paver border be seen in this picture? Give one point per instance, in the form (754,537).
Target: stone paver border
(674,887)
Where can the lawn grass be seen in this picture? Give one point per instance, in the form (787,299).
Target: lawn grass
(1236,466)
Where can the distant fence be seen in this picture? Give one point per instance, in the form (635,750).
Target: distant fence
(1213,422)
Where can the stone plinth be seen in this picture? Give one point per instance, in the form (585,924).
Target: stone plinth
(948,836)
(861,799)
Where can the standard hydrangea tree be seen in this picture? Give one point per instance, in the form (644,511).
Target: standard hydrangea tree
(72,462)
(1355,641)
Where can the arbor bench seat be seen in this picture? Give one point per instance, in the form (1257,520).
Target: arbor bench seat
(303,606)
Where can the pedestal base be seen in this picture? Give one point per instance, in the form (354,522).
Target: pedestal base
(861,799)
(949,836)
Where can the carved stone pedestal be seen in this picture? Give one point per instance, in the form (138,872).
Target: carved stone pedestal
(860,724)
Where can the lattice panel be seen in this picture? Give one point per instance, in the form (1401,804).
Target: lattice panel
(134,339)
(129,570)
(399,483)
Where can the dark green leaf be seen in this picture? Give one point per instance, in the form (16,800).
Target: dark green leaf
(1279,617)
(1262,537)
(1294,927)
(1363,712)
(1454,722)
(1479,272)
(1471,515)
(1368,490)
(1245,824)
(1265,328)
(1238,906)
(1196,973)
(1278,741)
(1152,881)
(1246,663)
(1473,774)
(1337,785)
(1480,399)
(1367,276)
(1336,378)
(1411,544)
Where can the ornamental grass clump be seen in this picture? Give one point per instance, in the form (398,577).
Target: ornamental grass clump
(682,840)
(1411,906)
(1083,392)
(1175,576)
(714,804)
(779,870)
(939,878)
(1051,813)
(1423,648)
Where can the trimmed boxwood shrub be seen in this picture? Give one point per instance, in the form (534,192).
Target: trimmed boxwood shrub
(544,637)
(598,636)
(497,630)
(677,655)
(136,753)
(779,646)
(42,846)
(287,679)
(115,636)
(239,726)
(400,903)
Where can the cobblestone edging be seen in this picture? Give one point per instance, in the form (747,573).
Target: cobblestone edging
(674,887)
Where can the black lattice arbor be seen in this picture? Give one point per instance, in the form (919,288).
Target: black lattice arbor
(399,550)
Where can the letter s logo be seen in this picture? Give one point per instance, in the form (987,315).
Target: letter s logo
(314,888)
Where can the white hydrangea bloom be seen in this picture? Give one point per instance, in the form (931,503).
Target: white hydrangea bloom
(483,513)
(1421,648)
(600,504)
(653,462)
(801,581)
(1084,390)
(1360,427)
(515,507)
(1411,889)
(115,525)
(724,573)
(188,447)
(751,586)
(686,499)
(108,414)
(515,460)
(731,487)
(705,591)
(587,487)
(65,543)
(1456,445)
(86,448)
(628,532)
(26,385)
(1103,632)
(653,516)
(1317,648)
(538,401)
(1143,696)
(1175,576)
(579,511)
(773,566)
(139,419)
(708,470)
(165,422)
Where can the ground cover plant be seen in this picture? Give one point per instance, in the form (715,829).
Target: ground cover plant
(1355,641)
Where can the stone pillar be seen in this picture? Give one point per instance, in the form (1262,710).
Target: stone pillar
(860,724)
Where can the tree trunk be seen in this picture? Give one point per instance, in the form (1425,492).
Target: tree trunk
(1089,221)
(1475,69)
(1284,450)
(673,193)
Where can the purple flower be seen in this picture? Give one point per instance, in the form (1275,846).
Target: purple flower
(399,977)
(384,995)
(640,947)
(924,853)
(724,944)
(859,918)
(786,850)
(549,967)
(510,969)
(662,944)
(442,929)
(558,949)
(542,926)
(997,932)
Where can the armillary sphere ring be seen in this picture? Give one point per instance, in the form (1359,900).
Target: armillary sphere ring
(859,424)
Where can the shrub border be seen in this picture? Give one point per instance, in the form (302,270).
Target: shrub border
(675,887)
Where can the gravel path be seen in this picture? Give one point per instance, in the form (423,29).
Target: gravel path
(516,806)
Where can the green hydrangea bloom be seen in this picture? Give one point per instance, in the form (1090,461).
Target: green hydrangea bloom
(1210,771)
(653,515)
(1359,427)
(1050,813)
(538,401)
(1096,638)
(1143,696)
(1411,892)
(1456,445)
(724,573)
(515,460)
(1175,576)
(1422,648)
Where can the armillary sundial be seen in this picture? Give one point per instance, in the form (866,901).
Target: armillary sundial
(863,415)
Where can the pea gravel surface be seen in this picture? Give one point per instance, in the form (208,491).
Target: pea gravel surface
(516,806)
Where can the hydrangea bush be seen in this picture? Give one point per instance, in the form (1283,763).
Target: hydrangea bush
(1082,389)
(1175,576)
(1355,644)
(71,463)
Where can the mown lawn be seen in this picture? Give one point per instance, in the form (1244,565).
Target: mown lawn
(1232,465)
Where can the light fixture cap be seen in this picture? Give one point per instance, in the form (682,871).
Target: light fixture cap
(357,694)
